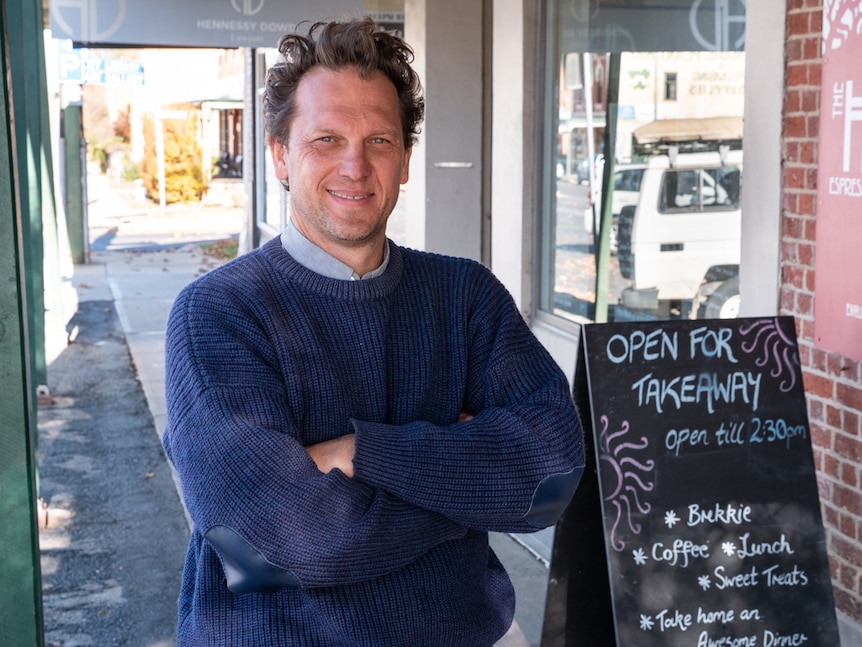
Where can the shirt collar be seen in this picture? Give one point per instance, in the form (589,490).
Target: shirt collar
(318,260)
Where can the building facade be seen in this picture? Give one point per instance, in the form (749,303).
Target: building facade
(782,124)
(484,181)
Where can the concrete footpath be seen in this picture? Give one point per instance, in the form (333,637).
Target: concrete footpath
(113,530)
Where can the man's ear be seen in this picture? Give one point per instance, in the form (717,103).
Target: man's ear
(405,167)
(278,152)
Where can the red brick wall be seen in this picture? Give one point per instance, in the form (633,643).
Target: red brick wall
(833,383)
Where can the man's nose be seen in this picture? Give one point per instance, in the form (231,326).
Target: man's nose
(355,163)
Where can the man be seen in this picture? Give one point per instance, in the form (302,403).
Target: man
(349,419)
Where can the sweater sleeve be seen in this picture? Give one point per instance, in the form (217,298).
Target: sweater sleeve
(249,485)
(515,465)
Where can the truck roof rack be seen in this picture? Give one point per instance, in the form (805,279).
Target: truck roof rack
(687,135)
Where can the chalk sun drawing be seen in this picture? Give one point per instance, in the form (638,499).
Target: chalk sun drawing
(765,338)
(628,475)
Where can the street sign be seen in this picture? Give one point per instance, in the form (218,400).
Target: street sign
(79,66)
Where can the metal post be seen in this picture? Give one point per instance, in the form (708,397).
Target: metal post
(75,169)
(603,251)
(160,164)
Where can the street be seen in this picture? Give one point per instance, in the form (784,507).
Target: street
(574,258)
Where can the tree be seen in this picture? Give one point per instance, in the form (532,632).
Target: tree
(184,180)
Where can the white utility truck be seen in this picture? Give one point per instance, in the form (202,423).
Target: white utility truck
(679,246)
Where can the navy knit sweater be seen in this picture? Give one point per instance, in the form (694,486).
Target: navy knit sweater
(264,357)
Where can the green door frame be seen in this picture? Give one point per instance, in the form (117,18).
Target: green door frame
(29,94)
(20,595)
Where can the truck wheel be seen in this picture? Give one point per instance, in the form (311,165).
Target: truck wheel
(723,303)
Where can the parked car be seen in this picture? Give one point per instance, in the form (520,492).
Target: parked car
(582,168)
(680,244)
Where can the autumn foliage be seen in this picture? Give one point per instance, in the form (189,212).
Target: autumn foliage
(184,181)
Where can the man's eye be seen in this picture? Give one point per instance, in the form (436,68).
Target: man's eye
(327,139)
(379,140)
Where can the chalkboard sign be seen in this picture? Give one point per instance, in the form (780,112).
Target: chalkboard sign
(702,525)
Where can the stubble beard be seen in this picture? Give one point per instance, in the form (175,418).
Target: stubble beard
(335,231)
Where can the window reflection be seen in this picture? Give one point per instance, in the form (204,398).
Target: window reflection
(596,104)
(700,189)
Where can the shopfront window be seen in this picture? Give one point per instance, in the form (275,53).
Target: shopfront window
(648,98)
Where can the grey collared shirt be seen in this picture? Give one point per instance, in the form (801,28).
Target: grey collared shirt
(317,260)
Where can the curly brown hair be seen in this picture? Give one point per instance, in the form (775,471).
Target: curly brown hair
(357,43)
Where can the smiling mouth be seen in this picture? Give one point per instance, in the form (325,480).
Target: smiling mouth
(346,196)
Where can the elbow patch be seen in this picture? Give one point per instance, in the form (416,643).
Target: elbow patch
(552,496)
(245,568)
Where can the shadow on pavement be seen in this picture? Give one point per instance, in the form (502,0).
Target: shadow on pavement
(113,534)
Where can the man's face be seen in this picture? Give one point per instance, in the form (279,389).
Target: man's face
(344,159)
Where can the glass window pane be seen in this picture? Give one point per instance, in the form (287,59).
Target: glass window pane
(670,86)
(274,199)
(607,88)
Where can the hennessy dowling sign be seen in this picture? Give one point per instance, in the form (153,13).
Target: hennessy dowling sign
(703,503)
(188,23)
